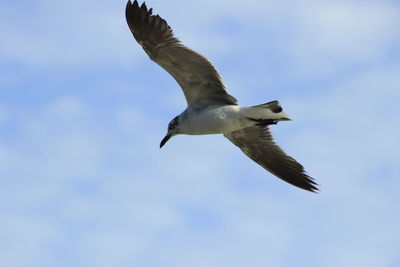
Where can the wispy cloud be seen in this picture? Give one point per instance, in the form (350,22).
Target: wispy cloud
(82,111)
(64,34)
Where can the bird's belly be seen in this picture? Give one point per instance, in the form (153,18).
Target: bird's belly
(216,121)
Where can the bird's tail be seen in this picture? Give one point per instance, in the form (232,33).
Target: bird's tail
(272,110)
(274,106)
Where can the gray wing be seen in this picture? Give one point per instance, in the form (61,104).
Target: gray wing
(200,81)
(257,143)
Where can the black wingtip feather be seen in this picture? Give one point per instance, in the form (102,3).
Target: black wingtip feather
(145,25)
(312,186)
(309,184)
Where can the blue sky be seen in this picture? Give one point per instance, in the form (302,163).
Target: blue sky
(82,112)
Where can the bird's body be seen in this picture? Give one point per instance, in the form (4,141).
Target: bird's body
(220,119)
(211,110)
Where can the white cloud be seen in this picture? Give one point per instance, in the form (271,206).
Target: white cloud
(65,34)
(25,241)
(330,35)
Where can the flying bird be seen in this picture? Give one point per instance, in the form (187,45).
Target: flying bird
(211,110)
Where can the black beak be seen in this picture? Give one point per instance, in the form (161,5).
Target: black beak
(165,139)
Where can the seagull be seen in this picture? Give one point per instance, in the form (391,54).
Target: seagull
(210,109)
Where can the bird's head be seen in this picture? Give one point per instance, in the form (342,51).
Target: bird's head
(173,129)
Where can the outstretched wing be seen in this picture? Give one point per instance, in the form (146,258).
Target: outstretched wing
(257,143)
(199,80)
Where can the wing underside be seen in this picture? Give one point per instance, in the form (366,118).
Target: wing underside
(199,80)
(257,143)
